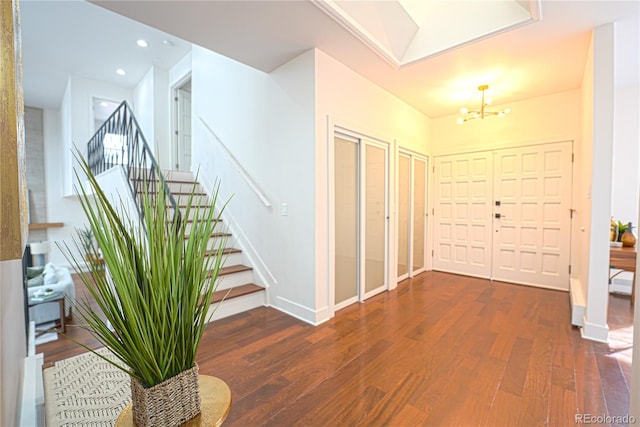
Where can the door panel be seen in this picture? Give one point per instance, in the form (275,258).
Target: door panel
(184,130)
(404,214)
(533,187)
(419,215)
(360,219)
(462,224)
(375,218)
(346,221)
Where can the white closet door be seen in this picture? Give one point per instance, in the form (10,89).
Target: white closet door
(532,190)
(463,226)
(419,226)
(404,215)
(374,218)
(347,264)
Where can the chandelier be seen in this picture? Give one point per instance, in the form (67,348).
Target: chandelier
(481,113)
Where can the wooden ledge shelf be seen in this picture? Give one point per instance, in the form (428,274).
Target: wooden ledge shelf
(44,225)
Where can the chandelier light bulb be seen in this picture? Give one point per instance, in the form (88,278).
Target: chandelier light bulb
(482,112)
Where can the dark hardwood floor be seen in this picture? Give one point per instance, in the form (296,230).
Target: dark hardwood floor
(440,350)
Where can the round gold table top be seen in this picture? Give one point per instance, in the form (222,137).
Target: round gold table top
(215,405)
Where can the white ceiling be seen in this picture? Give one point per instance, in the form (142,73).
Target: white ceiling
(61,38)
(540,58)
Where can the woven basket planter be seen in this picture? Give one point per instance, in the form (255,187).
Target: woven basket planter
(171,403)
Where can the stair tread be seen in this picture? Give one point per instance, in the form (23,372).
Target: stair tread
(174,181)
(233,269)
(179,193)
(218,234)
(235,292)
(226,251)
(188,220)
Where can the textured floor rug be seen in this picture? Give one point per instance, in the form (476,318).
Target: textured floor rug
(85,391)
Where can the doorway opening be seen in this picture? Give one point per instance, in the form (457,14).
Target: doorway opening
(181,123)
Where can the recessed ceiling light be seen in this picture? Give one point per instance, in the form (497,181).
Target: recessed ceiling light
(104,104)
(168,43)
(120,72)
(142,43)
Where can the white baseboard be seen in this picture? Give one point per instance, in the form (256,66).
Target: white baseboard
(578,302)
(296,310)
(593,332)
(32,408)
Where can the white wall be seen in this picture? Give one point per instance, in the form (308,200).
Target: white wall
(625,155)
(626,131)
(175,76)
(595,319)
(62,208)
(345,98)
(63,137)
(266,123)
(143,98)
(274,126)
(13,348)
(72,125)
(549,118)
(290,144)
(583,165)
(162,126)
(151,109)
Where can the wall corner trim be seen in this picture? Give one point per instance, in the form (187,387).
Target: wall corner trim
(593,332)
(576,296)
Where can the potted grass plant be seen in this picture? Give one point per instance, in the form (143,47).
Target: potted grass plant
(154,300)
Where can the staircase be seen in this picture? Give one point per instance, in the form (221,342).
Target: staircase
(236,281)
(236,284)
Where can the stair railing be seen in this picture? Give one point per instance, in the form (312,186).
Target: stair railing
(120,142)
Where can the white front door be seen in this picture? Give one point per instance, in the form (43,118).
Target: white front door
(505,214)
(462,216)
(532,193)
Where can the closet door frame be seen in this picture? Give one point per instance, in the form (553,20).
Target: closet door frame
(332,196)
(342,132)
(364,143)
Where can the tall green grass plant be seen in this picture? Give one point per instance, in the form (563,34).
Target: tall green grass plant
(158,284)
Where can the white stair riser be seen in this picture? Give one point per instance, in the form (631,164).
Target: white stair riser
(219,227)
(232,259)
(178,175)
(198,199)
(193,213)
(214,242)
(235,279)
(237,305)
(184,187)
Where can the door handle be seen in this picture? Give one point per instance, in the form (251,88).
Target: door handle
(499,216)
